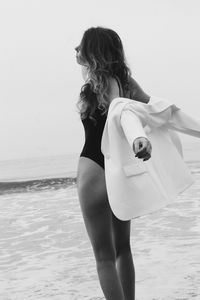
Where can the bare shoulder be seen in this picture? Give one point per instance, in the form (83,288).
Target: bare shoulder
(113,89)
(136,92)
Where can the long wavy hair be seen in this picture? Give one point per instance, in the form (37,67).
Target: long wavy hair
(101,50)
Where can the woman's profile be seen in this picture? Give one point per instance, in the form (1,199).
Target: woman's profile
(107,77)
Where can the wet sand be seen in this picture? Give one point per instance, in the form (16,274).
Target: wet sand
(45,252)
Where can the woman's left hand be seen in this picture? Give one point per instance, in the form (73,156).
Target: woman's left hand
(142,148)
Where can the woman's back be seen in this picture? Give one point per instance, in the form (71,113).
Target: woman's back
(94,131)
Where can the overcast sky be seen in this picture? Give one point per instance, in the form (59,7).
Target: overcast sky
(40,79)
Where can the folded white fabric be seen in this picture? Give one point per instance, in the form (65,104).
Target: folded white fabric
(136,187)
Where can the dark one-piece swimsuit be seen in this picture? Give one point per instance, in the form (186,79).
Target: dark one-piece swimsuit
(93,135)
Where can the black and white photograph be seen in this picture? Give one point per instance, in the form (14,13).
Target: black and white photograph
(100,150)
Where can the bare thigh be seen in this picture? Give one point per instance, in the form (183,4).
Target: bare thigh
(91,187)
(95,208)
(103,228)
(121,234)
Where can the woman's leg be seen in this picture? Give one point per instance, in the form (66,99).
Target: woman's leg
(98,221)
(125,266)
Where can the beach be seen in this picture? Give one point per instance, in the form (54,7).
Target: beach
(45,252)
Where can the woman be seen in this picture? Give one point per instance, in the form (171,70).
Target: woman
(106,77)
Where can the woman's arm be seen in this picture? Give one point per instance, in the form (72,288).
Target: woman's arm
(136,92)
(136,138)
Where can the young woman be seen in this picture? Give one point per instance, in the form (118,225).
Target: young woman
(107,77)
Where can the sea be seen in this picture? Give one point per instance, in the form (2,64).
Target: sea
(45,253)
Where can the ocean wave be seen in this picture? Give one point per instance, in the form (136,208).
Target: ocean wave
(49,183)
(36,185)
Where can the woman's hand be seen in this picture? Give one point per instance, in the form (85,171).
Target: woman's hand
(142,148)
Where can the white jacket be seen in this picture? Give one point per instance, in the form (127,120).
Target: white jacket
(136,187)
